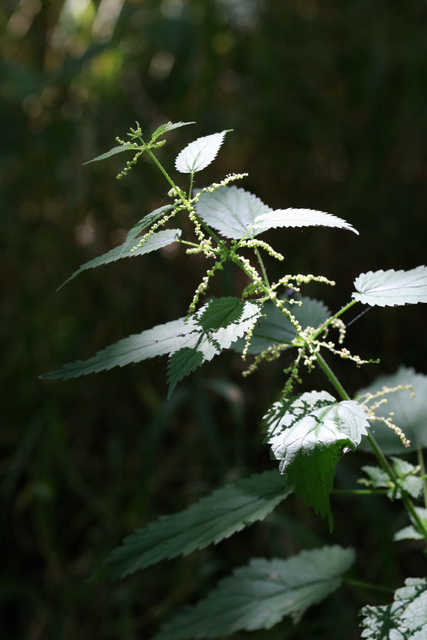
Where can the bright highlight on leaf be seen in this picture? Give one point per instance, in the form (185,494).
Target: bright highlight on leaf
(231,211)
(208,521)
(200,153)
(260,594)
(307,435)
(165,339)
(404,619)
(299,218)
(392,288)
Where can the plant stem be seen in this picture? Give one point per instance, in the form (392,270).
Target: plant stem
(264,272)
(385,465)
(420,457)
(332,318)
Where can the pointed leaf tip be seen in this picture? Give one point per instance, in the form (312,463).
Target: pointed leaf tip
(260,594)
(299,218)
(200,153)
(129,146)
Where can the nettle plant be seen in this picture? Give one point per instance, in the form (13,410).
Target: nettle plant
(307,433)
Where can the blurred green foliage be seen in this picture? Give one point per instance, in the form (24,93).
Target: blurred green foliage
(327,100)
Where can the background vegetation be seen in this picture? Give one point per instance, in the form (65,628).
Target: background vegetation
(327,102)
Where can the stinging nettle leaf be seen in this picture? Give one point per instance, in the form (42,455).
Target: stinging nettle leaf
(156,241)
(129,146)
(200,153)
(181,364)
(165,339)
(168,126)
(403,619)
(222,312)
(208,521)
(392,288)
(299,218)
(260,594)
(306,435)
(231,211)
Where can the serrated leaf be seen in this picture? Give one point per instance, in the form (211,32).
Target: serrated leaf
(407,533)
(156,241)
(231,211)
(208,521)
(307,435)
(164,339)
(410,412)
(168,126)
(181,364)
(406,479)
(200,153)
(404,619)
(274,328)
(129,146)
(392,288)
(413,532)
(299,218)
(221,312)
(260,594)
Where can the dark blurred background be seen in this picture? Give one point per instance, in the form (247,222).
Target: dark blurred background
(328,105)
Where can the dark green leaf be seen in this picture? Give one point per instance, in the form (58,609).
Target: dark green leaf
(404,619)
(259,595)
(181,364)
(274,328)
(391,288)
(208,521)
(222,312)
(410,412)
(129,146)
(307,435)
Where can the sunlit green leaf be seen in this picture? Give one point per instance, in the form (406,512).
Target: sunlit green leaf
(407,480)
(412,532)
(392,288)
(260,594)
(231,211)
(298,218)
(208,521)
(165,339)
(307,435)
(200,153)
(404,619)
